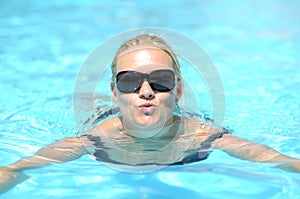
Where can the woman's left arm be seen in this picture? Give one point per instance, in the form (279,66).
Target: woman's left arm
(247,150)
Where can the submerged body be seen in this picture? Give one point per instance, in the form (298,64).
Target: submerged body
(183,142)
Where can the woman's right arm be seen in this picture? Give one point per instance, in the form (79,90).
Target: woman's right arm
(61,151)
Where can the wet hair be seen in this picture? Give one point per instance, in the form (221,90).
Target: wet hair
(145,39)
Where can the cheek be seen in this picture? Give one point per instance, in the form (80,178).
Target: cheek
(125,100)
(168,100)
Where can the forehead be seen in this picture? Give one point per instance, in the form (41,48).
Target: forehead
(144,59)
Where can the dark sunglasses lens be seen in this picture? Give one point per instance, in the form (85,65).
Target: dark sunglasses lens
(128,81)
(162,80)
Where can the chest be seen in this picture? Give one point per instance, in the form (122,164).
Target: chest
(149,151)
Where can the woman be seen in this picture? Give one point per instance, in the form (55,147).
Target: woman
(146,86)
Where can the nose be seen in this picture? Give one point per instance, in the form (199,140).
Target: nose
(146,91)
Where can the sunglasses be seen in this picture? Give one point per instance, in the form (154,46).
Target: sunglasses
(132,81)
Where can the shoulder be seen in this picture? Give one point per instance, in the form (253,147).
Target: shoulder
(201,127)
(108,127)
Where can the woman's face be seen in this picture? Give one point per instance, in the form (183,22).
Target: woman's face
(146,109)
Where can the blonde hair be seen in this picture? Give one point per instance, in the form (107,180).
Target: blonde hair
(143,39)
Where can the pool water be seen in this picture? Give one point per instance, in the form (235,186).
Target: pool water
(254,45)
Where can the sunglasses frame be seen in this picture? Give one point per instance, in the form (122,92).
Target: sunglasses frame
(147,76)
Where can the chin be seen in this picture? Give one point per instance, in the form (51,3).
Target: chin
(149,121)
(155,121)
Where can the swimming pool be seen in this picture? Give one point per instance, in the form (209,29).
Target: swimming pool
(255,47)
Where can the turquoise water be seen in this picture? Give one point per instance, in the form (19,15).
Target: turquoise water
(254,45)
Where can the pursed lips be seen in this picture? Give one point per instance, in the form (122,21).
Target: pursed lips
(147,107)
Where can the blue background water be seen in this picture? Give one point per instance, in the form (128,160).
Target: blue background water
(254,45)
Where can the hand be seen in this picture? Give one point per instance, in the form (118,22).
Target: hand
(293,167)
(10,178)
